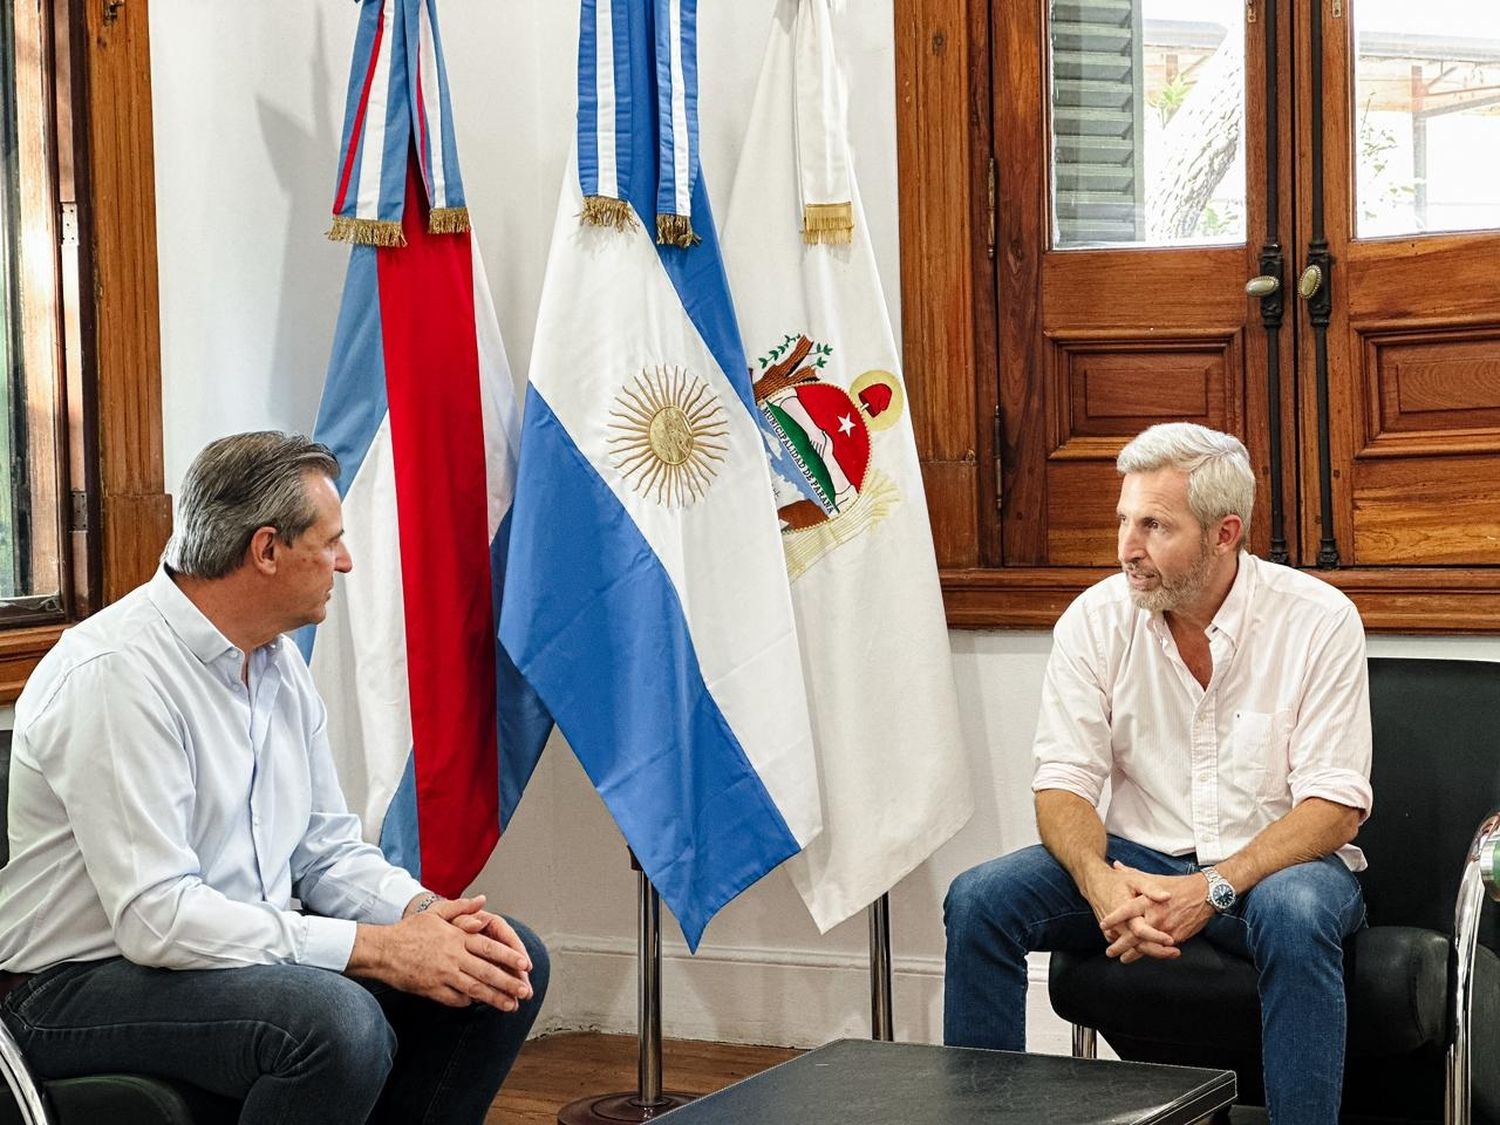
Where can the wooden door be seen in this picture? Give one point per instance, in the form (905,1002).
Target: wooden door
(1409,132)
(1137,195)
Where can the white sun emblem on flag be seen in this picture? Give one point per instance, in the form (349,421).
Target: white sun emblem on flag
(669,435)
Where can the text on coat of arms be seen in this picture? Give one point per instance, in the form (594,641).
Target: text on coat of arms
(828,432)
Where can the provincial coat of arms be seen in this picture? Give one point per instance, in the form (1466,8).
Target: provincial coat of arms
(828,431)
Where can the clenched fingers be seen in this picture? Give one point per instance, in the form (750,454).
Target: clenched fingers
(1132,914)
(498,954)
(1129,949)
(497,928)
(493,976)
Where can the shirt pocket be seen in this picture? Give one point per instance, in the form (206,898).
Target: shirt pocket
(1258,754)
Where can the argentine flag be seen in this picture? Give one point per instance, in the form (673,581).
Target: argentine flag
(433,733)
(646,597)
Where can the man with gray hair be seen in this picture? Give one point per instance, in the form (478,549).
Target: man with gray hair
(1224,700)
(172,793)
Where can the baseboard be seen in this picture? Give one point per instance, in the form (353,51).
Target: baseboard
(782,997)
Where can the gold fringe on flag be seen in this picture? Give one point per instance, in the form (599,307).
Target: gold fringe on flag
(448,220)
(367,232)
(676,230)
(607,211)
(831,224)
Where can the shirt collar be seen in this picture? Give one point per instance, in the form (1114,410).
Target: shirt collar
(1234,611)
(201,635)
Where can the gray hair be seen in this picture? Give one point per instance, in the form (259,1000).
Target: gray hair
(1220,480)
(238,485)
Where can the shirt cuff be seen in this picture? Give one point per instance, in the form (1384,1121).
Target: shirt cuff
(1073,779)
(1343,787)
(327,943)
(395,892)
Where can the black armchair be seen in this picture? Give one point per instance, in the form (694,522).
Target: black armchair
(119,1099)
(1436,776)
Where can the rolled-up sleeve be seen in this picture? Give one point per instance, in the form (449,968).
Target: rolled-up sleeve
(1330,745)
(1073,742)
(111,748)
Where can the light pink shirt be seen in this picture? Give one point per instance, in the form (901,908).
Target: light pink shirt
(1285,716)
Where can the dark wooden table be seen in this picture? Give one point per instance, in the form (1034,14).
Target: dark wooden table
(869,1083)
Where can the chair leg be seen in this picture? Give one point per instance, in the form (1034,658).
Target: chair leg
(22,1085)
(1478,876)
(1085,1042)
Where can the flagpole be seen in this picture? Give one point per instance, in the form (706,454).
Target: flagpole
(648,1101)
(879,913)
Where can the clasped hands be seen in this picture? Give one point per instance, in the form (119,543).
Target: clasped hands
(1143,915)
(454,952)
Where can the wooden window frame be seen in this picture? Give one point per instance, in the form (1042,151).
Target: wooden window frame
(118,514)
(957,251)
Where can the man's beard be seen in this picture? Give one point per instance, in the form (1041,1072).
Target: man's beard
(1174,592)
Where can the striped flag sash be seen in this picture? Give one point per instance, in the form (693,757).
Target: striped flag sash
(605,113)
(823,175)
(398,100)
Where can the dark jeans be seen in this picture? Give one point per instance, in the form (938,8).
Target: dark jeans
(1292,925)
(298,1044)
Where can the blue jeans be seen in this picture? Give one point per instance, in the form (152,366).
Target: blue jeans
(297,1044)
(1292,926)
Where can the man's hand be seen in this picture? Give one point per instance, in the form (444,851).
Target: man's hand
(1125,916)
(1176,905)
(454,952)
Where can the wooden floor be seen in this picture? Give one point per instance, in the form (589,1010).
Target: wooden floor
(554,1071)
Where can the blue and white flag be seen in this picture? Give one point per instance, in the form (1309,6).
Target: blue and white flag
(895,781)
(646,596)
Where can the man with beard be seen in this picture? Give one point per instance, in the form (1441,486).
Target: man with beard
(1224,700)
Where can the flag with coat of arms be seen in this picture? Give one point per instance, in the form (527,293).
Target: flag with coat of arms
(646,599)
(433,732)
(853,518)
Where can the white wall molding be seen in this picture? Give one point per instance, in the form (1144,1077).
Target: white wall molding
(781,996)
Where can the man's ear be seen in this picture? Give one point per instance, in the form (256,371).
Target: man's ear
(261,554)
(1231,532)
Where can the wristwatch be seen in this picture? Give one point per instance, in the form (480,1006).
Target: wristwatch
(1221,895)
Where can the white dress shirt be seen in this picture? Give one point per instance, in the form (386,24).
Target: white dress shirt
(163,810)
(1285,716)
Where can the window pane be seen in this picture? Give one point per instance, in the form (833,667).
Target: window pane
(30,569)
(1426,116)
(1148,116)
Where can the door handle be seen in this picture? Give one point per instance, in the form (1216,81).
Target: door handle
(1310,282)
(1262,286)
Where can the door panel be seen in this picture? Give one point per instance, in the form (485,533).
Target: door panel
(1414,331)
(1135,310)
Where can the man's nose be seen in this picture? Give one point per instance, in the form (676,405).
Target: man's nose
(344,562)
(1131,545)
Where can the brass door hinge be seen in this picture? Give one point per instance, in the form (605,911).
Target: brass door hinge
(998,438)
(78,511)
(990,235)
(67,226)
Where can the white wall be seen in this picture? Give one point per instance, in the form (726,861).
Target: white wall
(248,102)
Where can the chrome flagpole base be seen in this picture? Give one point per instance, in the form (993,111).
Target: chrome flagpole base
(613,1108)
(649,1101)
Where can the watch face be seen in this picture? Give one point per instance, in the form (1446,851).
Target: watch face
(1221,895)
